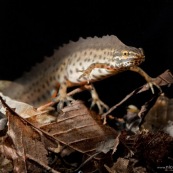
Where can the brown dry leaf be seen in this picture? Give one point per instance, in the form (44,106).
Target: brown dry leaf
(160,114)
(25,145)
(27,111)
(120,166)
(5,164)
(135,167)
(75,128)
(26,140)
(78,129)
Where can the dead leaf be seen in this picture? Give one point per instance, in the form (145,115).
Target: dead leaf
(77,129)
(25,145)
(5,164)
(120,166)
(158,116)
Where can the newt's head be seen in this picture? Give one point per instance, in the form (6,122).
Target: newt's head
(130,56)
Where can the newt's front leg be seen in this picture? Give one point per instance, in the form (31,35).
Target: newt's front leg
(149,80)
(95,100)
(87,72)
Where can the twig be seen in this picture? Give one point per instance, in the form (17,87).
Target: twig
(165,78)
(118,104)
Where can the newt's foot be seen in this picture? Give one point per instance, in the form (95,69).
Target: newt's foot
(151,83)
(62,101)
(101,106)
(96,101)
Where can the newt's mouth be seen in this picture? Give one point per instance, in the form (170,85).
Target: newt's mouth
(139,60)
(141,56)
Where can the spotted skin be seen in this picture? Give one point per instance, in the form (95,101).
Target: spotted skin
(77,64)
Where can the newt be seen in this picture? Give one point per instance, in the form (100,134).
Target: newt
(78,63)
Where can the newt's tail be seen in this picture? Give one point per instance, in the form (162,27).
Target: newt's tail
(4,84)
(10,89)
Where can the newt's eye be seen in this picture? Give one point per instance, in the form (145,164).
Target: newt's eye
(125,53)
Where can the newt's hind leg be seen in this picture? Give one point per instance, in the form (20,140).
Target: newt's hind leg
(62,97)
(59,97)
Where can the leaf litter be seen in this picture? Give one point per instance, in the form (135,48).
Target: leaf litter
(44,141)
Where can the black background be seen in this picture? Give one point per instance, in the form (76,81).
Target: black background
(31,30)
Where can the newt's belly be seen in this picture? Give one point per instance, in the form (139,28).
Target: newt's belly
(95,75)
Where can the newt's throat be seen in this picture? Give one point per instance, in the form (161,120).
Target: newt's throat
(125,63)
